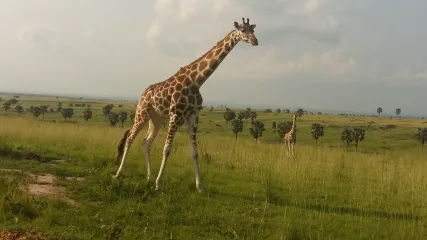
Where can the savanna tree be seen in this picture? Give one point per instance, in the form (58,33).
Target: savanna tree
(43,110)
(19,109)
(13,101)
(241,115)
(237,126)
(283,128)
(247,113)
(67,113)
(287,110)
(59,106)
(87,114)
(398,111)
(113,118)
(257,129)
(379,111)
(299,112)
(422,137)
(253,115)
(36,111)
(317,131)
(346,136)
(107,109)
(123,116)
(278,110)
(229,116)
(358,135)
(7,107)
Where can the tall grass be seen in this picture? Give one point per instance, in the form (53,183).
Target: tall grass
(254,190)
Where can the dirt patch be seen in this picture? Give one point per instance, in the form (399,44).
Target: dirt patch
(44,185)
(388,127)
(4,235)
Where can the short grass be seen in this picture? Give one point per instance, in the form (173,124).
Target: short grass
(253,190)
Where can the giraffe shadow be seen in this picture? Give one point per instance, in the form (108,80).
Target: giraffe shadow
(357,212)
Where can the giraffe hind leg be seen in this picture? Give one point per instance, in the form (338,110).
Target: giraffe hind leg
(128,138)
(155,123)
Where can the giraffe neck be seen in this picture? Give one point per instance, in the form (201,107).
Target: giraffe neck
(293,127)
(203,67)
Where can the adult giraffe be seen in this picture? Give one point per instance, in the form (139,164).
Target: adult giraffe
(178,98)
(291,137)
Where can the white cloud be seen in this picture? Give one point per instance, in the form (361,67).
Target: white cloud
(421,75)
(153,32)
(328,62)
(132,44)
(312,5)
(195,26)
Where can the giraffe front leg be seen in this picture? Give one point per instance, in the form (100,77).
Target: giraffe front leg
(193,122)
(173,126)
(128,139)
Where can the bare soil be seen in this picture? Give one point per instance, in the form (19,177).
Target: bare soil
(44,185)
(5,235)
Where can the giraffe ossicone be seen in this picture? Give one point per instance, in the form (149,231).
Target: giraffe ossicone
(178,99)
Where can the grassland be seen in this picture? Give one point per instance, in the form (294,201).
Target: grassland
(253,190)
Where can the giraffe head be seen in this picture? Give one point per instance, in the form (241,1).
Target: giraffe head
(245,32)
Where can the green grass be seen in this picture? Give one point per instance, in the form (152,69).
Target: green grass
(253,190)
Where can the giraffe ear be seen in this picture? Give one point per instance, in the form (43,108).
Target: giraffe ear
(253,26)
(236,25)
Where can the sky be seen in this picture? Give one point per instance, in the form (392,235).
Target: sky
(329,54)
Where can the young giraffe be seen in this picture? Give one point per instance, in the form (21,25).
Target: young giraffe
(291,138)
(179,99)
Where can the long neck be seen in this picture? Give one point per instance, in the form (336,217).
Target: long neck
(293,125)
(202,68)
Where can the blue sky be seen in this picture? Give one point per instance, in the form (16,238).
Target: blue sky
(329,54)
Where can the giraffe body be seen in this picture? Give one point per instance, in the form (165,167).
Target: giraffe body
(291,138)
(178,98)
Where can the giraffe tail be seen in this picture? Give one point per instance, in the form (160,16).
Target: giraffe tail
(122,145)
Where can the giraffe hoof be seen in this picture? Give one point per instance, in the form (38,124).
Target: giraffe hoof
(200,188)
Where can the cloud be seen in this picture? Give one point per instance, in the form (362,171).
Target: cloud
(334,43)
(405,76)
(330,65)
(330,62)
(182,28)
(420,75)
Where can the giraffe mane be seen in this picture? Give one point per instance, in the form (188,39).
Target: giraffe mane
(207,52)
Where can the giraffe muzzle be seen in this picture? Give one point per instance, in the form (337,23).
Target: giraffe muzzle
(254,42)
